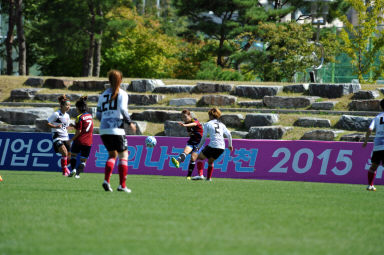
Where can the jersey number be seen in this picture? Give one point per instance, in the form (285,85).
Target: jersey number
(217,128)
(107,105)
(89,125)
(381,121)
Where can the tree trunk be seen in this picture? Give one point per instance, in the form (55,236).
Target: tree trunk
(88,61)
(9,39)
(21,38)
(97,49)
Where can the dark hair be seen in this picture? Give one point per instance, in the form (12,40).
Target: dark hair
(63,99)
(81,104)
(382,104)
(186,112)
(115,78)
(215,113)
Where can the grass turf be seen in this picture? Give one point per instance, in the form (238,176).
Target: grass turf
(46,213)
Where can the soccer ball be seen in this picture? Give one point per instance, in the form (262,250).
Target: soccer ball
(150,141)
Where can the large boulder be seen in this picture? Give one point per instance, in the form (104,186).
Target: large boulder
(260,119)
(23,94)
(364,105)
(144,99)
(24,116)
(183,101)
(312,122)
(232,120)
(356,123)
(172,128)
(217,100)
(54,97)
(239,134)
(288,102)
(299,88)
(123,86)
(17,128)
(254,103)
(274,132)
(256,92)
(34,82)
(145,85)
(156,116)
(207,87)
(356,137)
(89,85)
(333,90)
(41,125)
(58,83)
(324,105)
(173,89)
(366,94)
(321,135)
(141,126)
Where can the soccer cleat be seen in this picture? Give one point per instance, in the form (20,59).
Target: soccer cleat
(371,188)
(209,180)
(198,178)
(72,173)
(124,189)
(107,186)
(77,176)
(175,162)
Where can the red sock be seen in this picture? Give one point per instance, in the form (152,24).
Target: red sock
(109,168)
(210,170)
(123,171)
(64,164)
(371,177)
(200,167)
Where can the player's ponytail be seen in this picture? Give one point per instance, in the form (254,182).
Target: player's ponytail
(115,78)
(63,99)
(215,113)
(81,104)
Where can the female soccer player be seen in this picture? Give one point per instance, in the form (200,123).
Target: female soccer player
(82,140)
(216,131)
(59,122)
(195,131)
(112,111)
(377,124)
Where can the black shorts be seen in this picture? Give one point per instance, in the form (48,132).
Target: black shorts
(82,149)
(193,145)
(58,143)
(210,152)
(377,157)
(115,142)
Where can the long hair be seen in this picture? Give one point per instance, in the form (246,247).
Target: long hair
(215,113)
(81,104)
(63,99)
(115,78)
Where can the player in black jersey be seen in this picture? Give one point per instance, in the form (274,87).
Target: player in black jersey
(195,130)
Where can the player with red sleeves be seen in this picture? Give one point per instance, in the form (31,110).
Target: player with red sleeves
(59,122)
(82,140)
(195,131)
(112,111)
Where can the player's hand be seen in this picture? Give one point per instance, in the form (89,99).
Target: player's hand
(181,124)
(59,126)
(230,148)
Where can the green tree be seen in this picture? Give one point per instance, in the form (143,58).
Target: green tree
(364,41)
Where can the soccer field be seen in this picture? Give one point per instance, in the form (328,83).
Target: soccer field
(46,213)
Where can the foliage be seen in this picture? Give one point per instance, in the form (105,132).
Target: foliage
(142,50)
(364,41)
(210,71)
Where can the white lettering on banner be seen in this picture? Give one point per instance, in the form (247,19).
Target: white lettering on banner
(36,158)
(296,158)
(379,171)
(278,167)
(342,157)
(5,150)
(20,160)
(40,145)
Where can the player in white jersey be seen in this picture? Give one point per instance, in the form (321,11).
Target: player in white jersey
(377,124)
(216,131)
(59,122)
(112,111)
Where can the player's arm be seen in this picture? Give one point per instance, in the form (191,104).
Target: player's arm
(124,111)
(229,136)
(205,133)
(51,119)
(192,124)
(369,132)
(78,128)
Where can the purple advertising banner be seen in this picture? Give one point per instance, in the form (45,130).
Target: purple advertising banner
(313,161)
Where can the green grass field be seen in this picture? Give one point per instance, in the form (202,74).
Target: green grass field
(46,213)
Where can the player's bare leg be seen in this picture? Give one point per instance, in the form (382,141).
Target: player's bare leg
(64,157)
(371,177)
